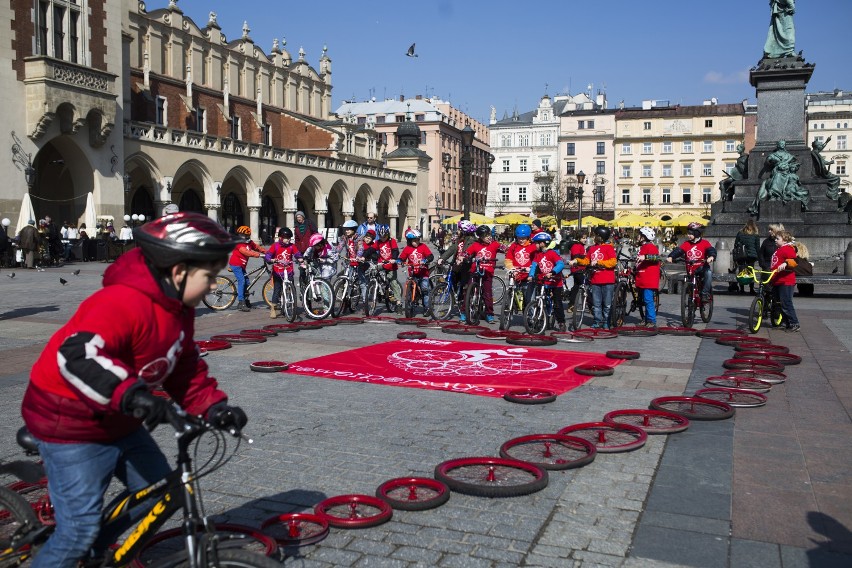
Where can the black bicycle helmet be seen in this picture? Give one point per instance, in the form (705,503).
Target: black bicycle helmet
(184,237)
(603,232)
(483,230)
(285,232)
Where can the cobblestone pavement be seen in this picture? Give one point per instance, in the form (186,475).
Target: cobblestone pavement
(771,487)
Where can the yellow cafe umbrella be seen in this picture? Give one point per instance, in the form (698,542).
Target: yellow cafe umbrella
(629,220)
(592,221)
(474,218)
(684,220)
(512,219)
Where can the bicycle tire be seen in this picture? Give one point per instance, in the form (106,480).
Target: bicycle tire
(733,340)
(354,511)
(507,308)
(531,340)
(755,314)
(643,311)
(442,300)
(618,354)
(618,311)
(261,332)
(776,316)
(473,301)
(535,320)
(740,398)
(462,329)
(596,333)
(350,320)
(267,291)
(411,335)
(238,338)
(653,422)
(716,333)
(550,451)
(496,335)
(705,308)
(409,298)
(411,321)
(571,337)
(738,382)
(288,301)
(774,356)
(224,296)
(413,493)
(371,304)
(636,331)
(210,345)
(268,366)
(687,306)
(491,477)
(284,327)
(295,529)
(168,548)
(608,438)
(751,345)
(341,290)
(16,519)
(594,370)
(318,292)
(530,396)
(694,408)
(498,290)
(753,364)
(675,330)
(772,377)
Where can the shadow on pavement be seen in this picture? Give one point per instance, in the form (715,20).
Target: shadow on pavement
(24,312)
(836,549)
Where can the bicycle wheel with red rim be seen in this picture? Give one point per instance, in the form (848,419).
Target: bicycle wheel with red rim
(379,319)
(716,332)
(411,321)
(213,345)
(651,421)
(753,364)
(530,396)
(350,320)
(772,377)
(491,477)
(168,548)
(413,493)
(550,451)
(608,437)
(594,370)
(283,327)
(740,398)
(733,340)
(776,356)
(751,346)
(354,511)
(571,337)
(461,329)
(238,338)
(596,333)
(411,335)
(497,334)
(37,495)
(616,354)
(676,330)
(738,382)
(268,366)
(694,408)
(295,529)
(262,332)
(635,331)
(531,340)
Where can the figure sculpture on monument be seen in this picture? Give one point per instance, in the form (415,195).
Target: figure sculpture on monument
(781,39)
(783,182)
(740,172)
(822,169)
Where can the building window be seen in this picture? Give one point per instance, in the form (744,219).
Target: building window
(646,170)
(570,149)
(581,124)
(361,120)
(235,128)
(600,167)
(841,142)
(422,137)
(708,123)
(380,119)
(599,193)
(569,168)
(522,194)
(162,108)
(506,140)
(61,30)
(707,169)
(625,197)
(419,117)
(667,195)
(841,168)
(590,124)
(667,170)
(705,195)
(504,195)
(505,165)
(687,195)
(601,148)
(667,147)
(646,195)
(266,134)
(687,146)
(523,164)
(819,139)
(647,147)
(523,139)
(708,145)
(687,170)
(626,149)
(625,171)
(399,118)
(729,167)
(545,164)
(544,139)
(730,146)
(646,125)
(200,119)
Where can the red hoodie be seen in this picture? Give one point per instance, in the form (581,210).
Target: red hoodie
(125,332)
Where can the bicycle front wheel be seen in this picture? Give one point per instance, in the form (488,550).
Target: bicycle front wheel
(240,544)
(372,298)
(318,299)
(582,313)
(687,305)
(409,299)
(224,296)
(268,290)
(342,290)
(535,319)
(755,314)
(498,289)
(288,301)
(472,302)
(442,300)
(619,305)
(508,308)
(706,308)
(16,519)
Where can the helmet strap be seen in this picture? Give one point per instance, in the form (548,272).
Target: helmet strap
(163,277)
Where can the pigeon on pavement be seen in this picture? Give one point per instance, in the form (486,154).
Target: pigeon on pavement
(63,281)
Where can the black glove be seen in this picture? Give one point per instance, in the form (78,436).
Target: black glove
(226,417)
(140,403)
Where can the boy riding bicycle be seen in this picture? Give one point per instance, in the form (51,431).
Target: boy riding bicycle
(484,250)
(417,256)
(245,249)
(547,268)
(696,249)
(519,259)
(282,253)
(89,391)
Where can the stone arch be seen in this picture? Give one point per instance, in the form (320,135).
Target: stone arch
(194,176)
(64,176)
(309,198)
(339,204)
(364,201)
(234,194)
(406,212)
(144,176)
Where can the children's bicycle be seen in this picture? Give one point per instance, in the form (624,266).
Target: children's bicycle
(287,301)
(583,314)
(691,295)
(198,544)
(444,296)
(382,286)
(626,290)
(513,299)
(225,293)
(347,293)
(474,301)
(317,296)
(539,314)
(765,305)
(412,294)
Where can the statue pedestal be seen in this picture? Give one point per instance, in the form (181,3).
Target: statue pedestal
(780,87)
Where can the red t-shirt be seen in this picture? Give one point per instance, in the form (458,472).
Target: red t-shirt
(242,252)
(597,253)
(282,256)
(695,251)
(648,271)
(783,254)
(386,249)
(520,256)
(486,254)
(546,261)
(351,250)
(414,258)
(577,250)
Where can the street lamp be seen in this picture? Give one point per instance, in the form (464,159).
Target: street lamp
(581,179)
(468,135)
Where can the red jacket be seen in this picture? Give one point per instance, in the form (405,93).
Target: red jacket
(786,277)
(416,259)
(282,256)
(125,332)
(604,256)
(520,256)
(242,252)
(486,254)
(388,252)
(648,271)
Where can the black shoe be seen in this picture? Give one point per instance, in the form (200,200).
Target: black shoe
(243,307)
(793,328)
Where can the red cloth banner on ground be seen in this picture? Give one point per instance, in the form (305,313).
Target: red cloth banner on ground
(457,366)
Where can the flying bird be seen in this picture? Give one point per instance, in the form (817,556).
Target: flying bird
(410,52)
(77,272)
(11,275)
(63,281)
(833,271)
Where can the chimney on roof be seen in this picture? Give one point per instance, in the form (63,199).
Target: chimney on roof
(419,97)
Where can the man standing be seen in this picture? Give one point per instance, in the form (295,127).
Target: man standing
(54,241)
(302,231)
(369,225)
(28,240)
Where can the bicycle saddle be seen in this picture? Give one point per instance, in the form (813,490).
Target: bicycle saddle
(27,441)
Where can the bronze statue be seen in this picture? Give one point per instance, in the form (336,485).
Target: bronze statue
(740,172)
(822,168)
(781,39)
(783,182)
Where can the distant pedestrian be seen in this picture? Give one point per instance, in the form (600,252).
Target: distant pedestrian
(767,248)
(302,231)
(746,247)
(28,239)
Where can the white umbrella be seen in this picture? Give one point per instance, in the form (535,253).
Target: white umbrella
(90,216)
(27,213)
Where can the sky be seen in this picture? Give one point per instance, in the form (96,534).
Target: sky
(507,54)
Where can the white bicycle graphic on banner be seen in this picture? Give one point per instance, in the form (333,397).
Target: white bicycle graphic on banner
(468,362)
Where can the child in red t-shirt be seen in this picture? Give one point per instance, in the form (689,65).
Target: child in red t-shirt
(602,259)
(578,263)
(784,281)
(417,257)
(648,274)
(239,261)
(519,259)
(484,250)
(694,250)
(547,268)
(281,254)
